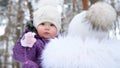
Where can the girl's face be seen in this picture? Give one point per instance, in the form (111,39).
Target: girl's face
(47,30)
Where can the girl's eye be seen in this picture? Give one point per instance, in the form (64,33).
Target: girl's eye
(51,24)
(42,24)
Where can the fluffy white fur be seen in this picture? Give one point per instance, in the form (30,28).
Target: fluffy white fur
(73,52)
(101,15)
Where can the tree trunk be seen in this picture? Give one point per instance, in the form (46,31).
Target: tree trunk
(85,4)
(73,5)
(7,34)
(30,10)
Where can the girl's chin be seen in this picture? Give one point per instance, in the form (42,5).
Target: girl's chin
(47,37)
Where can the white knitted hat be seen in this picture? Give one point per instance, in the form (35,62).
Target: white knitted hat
(47,13)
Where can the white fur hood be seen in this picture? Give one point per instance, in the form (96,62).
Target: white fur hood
(84,47)
(73,52)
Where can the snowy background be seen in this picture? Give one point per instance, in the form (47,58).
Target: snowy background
(15,13)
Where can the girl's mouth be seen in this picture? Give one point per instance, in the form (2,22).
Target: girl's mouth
(46,32)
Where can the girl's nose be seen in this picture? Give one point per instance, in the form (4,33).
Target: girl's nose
(47,27)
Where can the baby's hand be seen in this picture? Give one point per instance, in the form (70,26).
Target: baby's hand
(28,39)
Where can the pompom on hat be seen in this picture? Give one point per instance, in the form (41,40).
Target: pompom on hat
(101,15)
(47,13)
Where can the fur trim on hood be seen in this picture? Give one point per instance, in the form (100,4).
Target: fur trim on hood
(73,52)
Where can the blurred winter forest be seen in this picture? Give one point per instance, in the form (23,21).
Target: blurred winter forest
(15,13)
